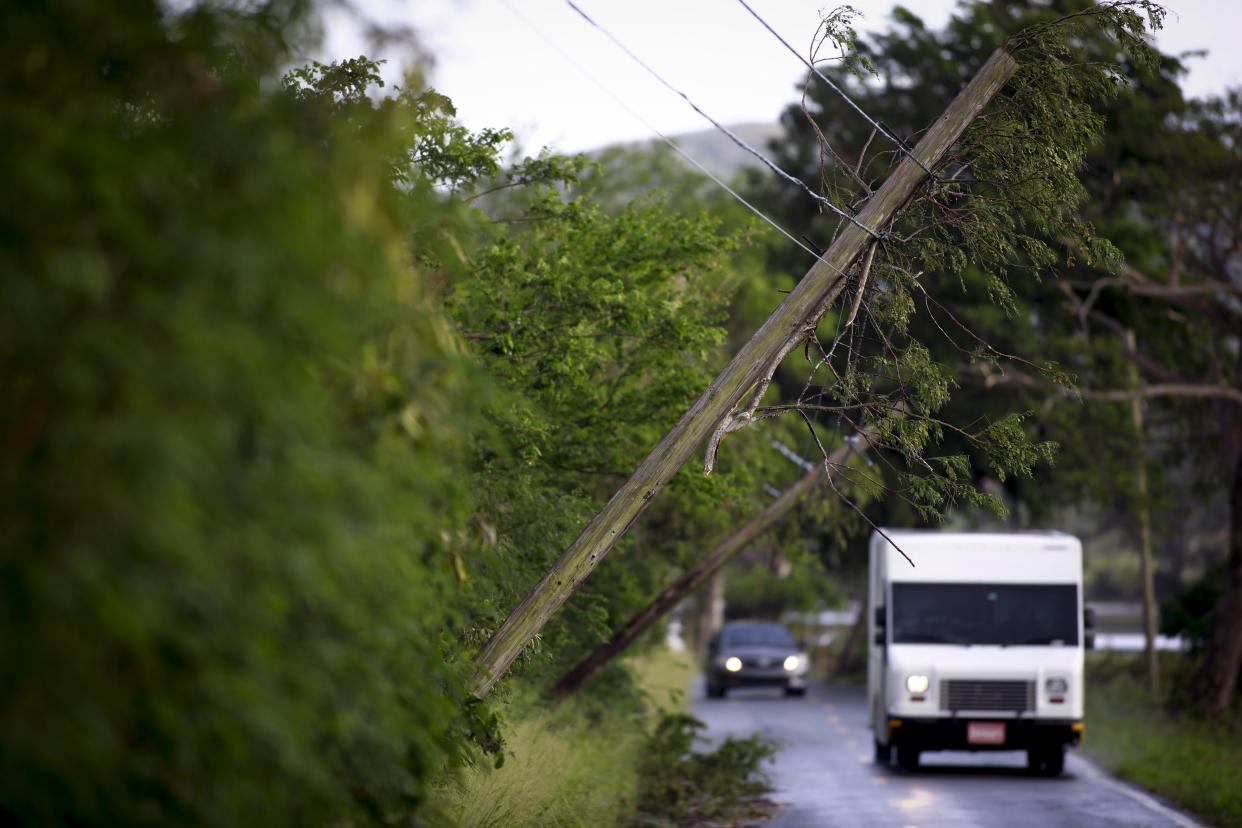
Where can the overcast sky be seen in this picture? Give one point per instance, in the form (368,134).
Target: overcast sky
(528,64)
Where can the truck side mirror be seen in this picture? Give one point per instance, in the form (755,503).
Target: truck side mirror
(1088,625)
(881,621)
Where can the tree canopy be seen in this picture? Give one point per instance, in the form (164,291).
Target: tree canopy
(1152,184)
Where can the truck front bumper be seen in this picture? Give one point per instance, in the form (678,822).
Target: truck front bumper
(953,734)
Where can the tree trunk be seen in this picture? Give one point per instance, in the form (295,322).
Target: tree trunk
(1216,680)
(849,658)
(1145,564)
(789,324)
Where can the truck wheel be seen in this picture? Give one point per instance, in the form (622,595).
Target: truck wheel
(908,757)
(883,753)
(1046,761)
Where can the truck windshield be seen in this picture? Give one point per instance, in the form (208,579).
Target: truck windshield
(1005,614)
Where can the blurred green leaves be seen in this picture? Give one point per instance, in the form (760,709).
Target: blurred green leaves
(233,428)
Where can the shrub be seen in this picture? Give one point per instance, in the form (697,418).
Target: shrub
(678,786)
(230,422)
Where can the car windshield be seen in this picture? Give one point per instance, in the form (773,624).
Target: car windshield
(768,635)
(1005,614)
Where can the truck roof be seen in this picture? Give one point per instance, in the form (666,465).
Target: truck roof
(970,557)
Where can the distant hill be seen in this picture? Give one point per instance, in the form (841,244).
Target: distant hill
(712,148)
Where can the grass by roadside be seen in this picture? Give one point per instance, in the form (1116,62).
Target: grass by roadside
(587,762)
(569,765)
(1157,744)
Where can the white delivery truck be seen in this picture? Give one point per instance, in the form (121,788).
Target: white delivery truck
(977,646)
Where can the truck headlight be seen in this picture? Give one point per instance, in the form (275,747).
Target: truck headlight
(1056,686)
(793,662)
(733,664)
(916,683)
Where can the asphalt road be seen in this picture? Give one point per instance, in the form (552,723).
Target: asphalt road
(825,777)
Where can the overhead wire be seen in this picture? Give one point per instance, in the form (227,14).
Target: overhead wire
(728,132)
(900,144)
(672,144)
(859,332)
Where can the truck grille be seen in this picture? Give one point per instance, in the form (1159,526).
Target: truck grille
(1009,696)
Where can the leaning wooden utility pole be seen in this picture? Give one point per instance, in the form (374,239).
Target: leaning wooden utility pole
(749,371)
(693,577)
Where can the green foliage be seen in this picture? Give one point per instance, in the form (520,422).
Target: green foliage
(952,328)
(1007,440)
(1190,612)
(836,28)
(1175,754)
(758,592)
(1030,149)
(234,428)
(584,310)
(595,327)
(678,786)
(600,326)
(1010,193)
(1155,191)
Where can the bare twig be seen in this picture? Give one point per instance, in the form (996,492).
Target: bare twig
(826,146)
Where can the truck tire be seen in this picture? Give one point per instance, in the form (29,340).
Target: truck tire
(883,753)
(908,757)
(1046,761)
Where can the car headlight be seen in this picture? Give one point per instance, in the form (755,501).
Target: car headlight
(733,664)
(1056,686)
(916,683)
(793,662)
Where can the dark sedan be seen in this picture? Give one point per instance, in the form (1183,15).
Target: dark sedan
(755,654)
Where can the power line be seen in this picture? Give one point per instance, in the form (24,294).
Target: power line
(901,145)
(791,179)
(791,455)
(556,47)
(749,149)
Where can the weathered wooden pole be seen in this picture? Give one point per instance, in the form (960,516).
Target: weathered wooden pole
(693,577)
(1146,569)
(792,321)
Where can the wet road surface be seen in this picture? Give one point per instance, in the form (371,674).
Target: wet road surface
(824,775)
